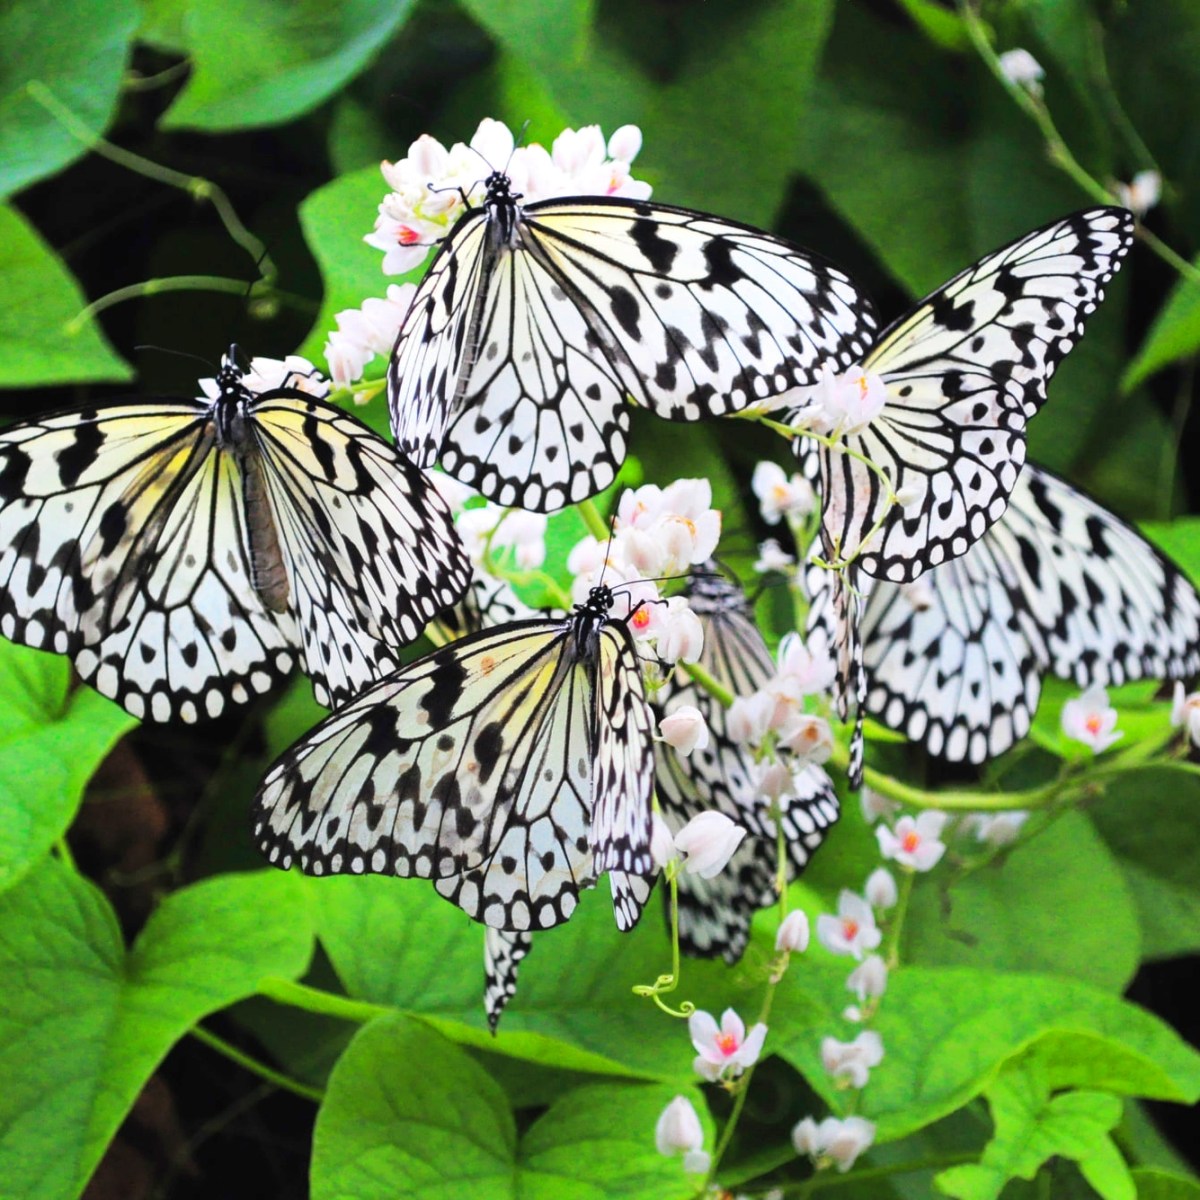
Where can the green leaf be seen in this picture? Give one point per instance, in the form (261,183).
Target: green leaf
(262,62)
(38,342)
(1145,818)
(76,50)
(764,53)
(1155,1184)
(948,1030)
(52,739)
(1033,1126)
(1057,903)
(409,1114)
(1175,334)
(84,1024)
(396,942)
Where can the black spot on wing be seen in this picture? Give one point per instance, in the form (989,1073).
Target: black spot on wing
(659,252)
(445,688)
(80,454)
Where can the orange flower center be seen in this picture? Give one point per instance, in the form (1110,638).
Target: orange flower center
(910,841)
(849,929)
(1093,723)
(406,236)
(641,618)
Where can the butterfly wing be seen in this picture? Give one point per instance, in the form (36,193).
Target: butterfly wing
(369,545)
(964,373)
(502,955)
(125,546)
(1059,585)
(715,914)
(602,300)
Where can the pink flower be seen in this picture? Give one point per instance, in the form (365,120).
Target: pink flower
(869,979)
(810,739)
(995,829)
(852,400)
(840,1142)
(812,673)
(773,557)
(749,717)
(781,495)
(914,844)
(853,931)
(1089,719)
(681,638)
(725,1051)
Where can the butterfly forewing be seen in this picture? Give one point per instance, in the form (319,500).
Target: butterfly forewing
(109,519)
(500,767)
(964,372)
(523,353)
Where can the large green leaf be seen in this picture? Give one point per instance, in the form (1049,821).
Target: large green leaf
(947,1031)
(763,53)
(84,1024)
(1057,903)
(76,50)
(1175,334)
(262,62)
(52,739)
(39,344)
(409,1114)
(396,942)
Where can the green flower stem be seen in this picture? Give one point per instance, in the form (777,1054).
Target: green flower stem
(717,691)
(155,287)
(1057,150)
(360,393)
(892,956)
(198,188)
(231,1052)
(133,82)
(668,983)
(314,1000)
(593,520)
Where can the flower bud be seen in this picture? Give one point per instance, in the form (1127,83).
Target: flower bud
(869,979)
(749,717)
(685,729)
(662,843)
(682,636)
(806,1137)
(793,932)
(881,889)
(678,1129)
(709,841)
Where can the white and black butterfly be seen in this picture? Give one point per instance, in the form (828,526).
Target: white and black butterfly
(187,553)
(715,914)
(1059,586)
(537,324)
(964,372)
(511,767)
(503,952)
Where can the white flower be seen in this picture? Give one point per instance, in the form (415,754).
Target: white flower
(852,400)
(869,979)
(852,1061)
(266,374)
(1185,710)
(708,842)
(773,780)
(681,637)
(1142,193)
(678,1131)
(781,495)
(853,930)
(773,557)
(881,889)
(841,1141)
(810,739)
(793,932)
(662,842)
(845,1140)
(684,729)
(726,1050)
(1021,68)
(525,534)
(998,829)
(749,717)
(365,332)
(875,805)
(914,844)
(454,493)
(812,672)
(1089,719)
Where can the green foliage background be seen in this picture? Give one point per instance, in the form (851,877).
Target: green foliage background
(871,132)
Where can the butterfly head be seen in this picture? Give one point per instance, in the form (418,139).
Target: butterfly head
(231,401)
(503,209)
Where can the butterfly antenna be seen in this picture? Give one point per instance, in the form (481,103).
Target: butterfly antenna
(204,362)
(518,141)
(612,526)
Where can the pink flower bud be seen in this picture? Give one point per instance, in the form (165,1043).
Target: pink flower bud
(881,889)
(869,979)
(684,729)
(682,636)
(678,1129)
(662,842)
(625,143)
(749,717)
(708,840)
(793,932)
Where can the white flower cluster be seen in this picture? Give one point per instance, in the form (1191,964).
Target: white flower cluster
(433,186)
(267,374)
(430,189)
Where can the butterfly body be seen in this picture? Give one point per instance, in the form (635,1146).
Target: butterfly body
(538,324)
(511,767)
(188,554)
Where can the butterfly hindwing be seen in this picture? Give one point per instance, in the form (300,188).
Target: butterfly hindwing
(520,355)
(964,372)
